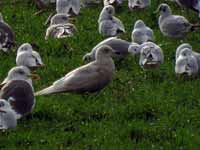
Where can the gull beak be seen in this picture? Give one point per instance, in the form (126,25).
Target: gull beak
(157,10)
(2,111)
(35,76)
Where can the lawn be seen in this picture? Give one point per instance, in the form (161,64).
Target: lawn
(139,110)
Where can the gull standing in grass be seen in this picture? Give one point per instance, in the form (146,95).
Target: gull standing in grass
(7,36)
(88,78)
(7,116)
(26,56)
(69,7)
(119,46)
(109,25)
(60,27)
(141,33)
(174,26)
(138,4)
(187,61)
(17,89)
(151,55)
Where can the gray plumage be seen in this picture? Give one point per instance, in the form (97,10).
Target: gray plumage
(141,33)
(187,61)
(60,27)
(88,78)
(7,36)
(138,4)
(8,119)
(26,56)
(17,89)
(173,26)
(69,7)
(109,25)
(119,46)
(151,55)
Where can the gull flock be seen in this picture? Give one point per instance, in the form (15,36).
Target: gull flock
(17,95)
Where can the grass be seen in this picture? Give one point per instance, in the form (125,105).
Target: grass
(138,110)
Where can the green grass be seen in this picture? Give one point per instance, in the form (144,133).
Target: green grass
(138,110)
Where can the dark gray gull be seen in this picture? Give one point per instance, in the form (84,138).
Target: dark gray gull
(8,118)
(60,27)
(89,78)
(7,36)
(26,56)
(119,46)
(173,26)
(17,89)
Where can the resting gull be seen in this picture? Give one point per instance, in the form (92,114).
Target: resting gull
(88,78)
(17,89)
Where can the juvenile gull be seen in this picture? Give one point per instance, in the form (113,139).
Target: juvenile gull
(109,25)
(7,36)
(151,55)
(60,27)
(17,89)
(187,61)
(173,26)
(141,33)
(119,46)
(138,4)
(69,7)
(88,78)
(7,116)
(26,56)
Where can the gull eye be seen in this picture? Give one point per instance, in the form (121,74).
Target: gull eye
(2,104)
(21,72)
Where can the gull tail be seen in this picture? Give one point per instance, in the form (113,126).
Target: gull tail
(49,90)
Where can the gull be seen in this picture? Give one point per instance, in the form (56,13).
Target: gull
(60,27)
(173,26)
(26,56)
(187,61)
(109,25)
(8,118)
(138,4)
(7,36)
(151,55)
(141,33)
(68,7)
(119,46)
(17,89)
(89,78)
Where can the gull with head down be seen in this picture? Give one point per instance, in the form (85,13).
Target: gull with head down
(151,55)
